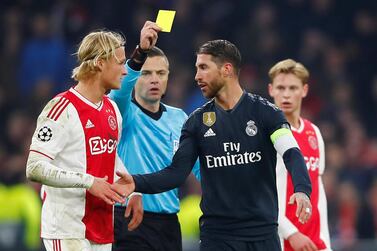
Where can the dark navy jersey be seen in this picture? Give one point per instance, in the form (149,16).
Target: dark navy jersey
(238,162)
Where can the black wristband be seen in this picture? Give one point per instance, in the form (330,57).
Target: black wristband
(138,58)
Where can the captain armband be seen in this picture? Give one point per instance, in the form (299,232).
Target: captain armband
(283,139)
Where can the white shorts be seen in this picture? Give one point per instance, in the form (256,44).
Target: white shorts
(74,245)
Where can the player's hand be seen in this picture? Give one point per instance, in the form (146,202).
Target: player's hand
(125,185)
(301,242)
(135,210)
(149,35)
(304,207)
(102,189)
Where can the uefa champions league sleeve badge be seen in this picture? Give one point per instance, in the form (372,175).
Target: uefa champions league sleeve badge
(45,134)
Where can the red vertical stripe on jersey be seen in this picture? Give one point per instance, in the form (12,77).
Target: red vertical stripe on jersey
(55,106)
(309,145)
(60,111)
(101,141)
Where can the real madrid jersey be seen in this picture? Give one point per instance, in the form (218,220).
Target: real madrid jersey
(237,160)
(78,139)
(311,144)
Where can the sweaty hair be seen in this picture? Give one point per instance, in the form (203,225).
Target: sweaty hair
(96,45)
(222,51)
(290,66)
(157,52)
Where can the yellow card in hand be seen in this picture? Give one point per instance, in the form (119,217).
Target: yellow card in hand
(165,19)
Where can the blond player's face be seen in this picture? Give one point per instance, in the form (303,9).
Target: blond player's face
(153,80)
(287,90)
(208,76)
(113,70)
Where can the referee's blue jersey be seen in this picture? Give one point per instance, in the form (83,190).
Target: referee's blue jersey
(147,144)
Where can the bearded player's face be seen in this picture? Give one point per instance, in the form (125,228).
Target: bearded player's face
(208,76)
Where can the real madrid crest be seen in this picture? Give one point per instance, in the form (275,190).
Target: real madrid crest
(209,118)
(112,122)
(251,128)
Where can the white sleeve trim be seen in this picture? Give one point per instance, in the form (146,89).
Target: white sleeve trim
(284,143)
(321,146)
(286,227)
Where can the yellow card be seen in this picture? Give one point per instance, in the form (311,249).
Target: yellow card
(165,19)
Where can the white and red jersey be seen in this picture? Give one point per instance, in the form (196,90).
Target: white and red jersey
(78,138)
(311,144)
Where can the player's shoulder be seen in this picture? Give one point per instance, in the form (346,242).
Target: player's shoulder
(310,125)
(56,107)
(258,100)
(173,110)
(207,107)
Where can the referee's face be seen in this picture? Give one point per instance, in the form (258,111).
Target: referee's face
(208,76)
(153,80)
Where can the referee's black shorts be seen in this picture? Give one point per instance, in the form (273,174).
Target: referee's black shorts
(157,232)
(269,244)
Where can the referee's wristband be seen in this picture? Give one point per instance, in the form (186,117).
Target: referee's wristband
(138,58)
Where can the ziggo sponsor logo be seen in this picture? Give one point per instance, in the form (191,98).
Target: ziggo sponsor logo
(98,145)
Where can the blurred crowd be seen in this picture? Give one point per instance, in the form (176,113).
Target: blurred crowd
(336,40)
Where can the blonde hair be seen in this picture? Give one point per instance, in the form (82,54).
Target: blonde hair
(96,45)
(290,66)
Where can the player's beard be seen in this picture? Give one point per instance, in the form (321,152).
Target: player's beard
(213,88)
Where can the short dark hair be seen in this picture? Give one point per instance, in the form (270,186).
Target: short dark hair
(222,51)
(157,52)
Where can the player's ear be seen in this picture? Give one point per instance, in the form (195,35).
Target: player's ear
(227,70)
(305,90)
(270,90)
(99,63)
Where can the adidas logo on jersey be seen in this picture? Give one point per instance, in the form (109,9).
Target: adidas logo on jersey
(89,124)
(209,133)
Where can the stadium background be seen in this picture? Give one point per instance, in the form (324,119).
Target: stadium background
(336,40)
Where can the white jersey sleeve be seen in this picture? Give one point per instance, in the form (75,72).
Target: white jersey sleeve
(50,138)
(286,228)
(322,201)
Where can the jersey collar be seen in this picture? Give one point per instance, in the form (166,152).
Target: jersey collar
(154,115)
(85,100)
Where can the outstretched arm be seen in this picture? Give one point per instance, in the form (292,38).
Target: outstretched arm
(40,169)
(169,177)
(286,146)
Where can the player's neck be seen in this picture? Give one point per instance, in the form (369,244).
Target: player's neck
(229,95)
(91,91)
(293,119)
(150,106)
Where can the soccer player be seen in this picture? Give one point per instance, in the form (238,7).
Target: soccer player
(73,150)
(289,85)
(236,136)
(150,137)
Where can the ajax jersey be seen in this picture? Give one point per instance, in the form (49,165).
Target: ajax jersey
(79,136)
(311,145)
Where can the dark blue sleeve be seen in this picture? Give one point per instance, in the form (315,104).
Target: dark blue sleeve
(174,175)
(273,118)
(295,164)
